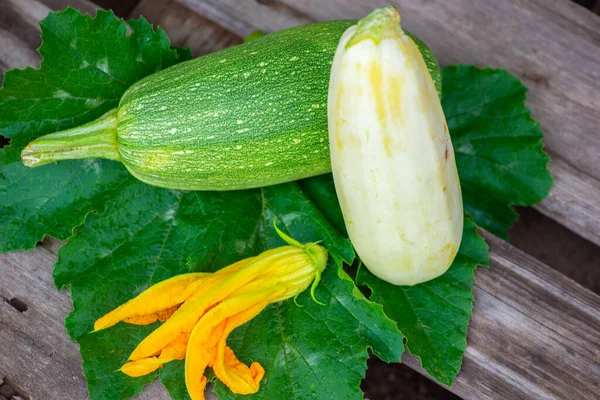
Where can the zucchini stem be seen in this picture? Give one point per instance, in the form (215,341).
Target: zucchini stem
(96,139)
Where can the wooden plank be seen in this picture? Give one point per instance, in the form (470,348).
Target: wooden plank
(122,8)
(554,46)
(534,332)
(36,352)
(528,321)
(14,53)
(20,30)
(85,6)
(186,28)
(35,347)
(20,33)
(574,200)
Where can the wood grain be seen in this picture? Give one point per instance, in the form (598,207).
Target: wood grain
(534,332)
(186,28)
(528,321)
(85,6)
(574,200)
(20,29)
(553,46)
(14,52)
(36,352)
(20,33)
(122,8)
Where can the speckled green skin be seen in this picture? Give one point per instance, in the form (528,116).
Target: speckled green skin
(249,116)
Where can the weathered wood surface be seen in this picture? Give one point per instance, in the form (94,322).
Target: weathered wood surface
(20,30)
(554,46)
(35,350)
(534,333)
(574,200)
(186,28)
(528,321)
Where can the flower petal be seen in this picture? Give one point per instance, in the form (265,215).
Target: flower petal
(141,367)
(161,296)
(232,372)
(200,354)
(173,351)
(210,331)
(212,290)
(161,315)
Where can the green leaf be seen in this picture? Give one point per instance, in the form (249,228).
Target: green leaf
(321,191)
(498,145)
(87,65)
(253,36)
(434,316)
(103,378)
(295,355)
(172,376)
(147,234)
(139,235)
(498,148)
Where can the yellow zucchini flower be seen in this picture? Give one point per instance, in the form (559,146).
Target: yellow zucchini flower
(200,310)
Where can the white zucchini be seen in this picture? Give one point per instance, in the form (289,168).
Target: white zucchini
(391,154)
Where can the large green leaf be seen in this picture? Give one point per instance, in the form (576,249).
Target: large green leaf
(141,234)
(87,65)
(434,316)
(147,234)
(498,149)
(300,362)
(497,144)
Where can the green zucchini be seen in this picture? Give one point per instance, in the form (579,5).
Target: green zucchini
(248,116)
